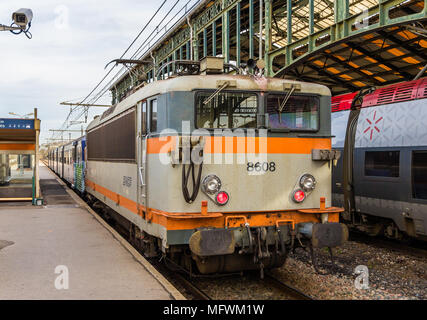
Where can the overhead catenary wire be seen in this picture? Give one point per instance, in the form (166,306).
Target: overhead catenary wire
(152,37)
(147,42)
(127,49)
(111,69)
(143,45)
(149,39)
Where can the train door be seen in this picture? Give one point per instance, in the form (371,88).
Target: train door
(79,168)
(62,157)
(55,168)
(74,159)
(142,152)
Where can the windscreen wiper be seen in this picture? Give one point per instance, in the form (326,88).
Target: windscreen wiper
(213,95)
(282,105)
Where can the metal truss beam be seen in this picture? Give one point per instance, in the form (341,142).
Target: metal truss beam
(294,33)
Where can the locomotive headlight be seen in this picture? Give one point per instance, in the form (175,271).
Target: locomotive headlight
(211,184)
(307,182)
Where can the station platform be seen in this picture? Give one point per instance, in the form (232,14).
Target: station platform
(34,241)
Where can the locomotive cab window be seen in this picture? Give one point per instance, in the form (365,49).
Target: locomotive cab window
(295,113)
(382,163)
(419,174)
(144,117)
(226,110)
(153,115)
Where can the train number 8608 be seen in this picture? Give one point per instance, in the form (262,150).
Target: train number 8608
(261,166)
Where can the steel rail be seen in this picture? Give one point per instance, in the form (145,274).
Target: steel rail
(192,289)
(288,289)
(391,244)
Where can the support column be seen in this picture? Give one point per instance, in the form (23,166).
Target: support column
(310,24)
(341,10)
(226,36)
(168,67)
(214,38)
(311,16)
(261,7)
(238,60)
(268,33)
(205,42)
(195,44)
(341,13)
(251,29)
(187,49)
(37,158)
(289,24)
(288,57)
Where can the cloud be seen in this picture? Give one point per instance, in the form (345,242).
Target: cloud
(72,42)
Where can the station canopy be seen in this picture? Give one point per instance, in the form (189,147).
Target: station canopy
(378,57)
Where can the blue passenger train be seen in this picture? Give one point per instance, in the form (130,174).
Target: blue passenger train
(68,162)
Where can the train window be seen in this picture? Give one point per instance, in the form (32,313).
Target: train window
(226,110)
(382,163)
(144,117)
(153,115)
(299,113)
(419,174)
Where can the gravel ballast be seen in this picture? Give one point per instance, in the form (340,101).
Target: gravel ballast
(392,274)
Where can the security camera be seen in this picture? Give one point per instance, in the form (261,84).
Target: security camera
(22,17)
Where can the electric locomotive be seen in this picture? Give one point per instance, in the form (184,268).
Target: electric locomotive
(217,173)
(382,178)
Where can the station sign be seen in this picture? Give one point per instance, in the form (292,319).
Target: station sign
(16,123)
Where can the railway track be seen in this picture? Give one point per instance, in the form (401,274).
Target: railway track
(182,281)
(189,287)
(193,290)
(294,293)
(390,244)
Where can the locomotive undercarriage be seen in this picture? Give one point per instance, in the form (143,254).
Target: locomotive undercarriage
(213,251)
(230,251)
(245,248)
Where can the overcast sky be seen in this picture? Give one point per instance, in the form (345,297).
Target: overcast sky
(72,42)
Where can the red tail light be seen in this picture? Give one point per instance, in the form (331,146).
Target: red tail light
(299,196)
(222,198)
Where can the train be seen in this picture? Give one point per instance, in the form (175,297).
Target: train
(215,172)
(68,162)
(381,179)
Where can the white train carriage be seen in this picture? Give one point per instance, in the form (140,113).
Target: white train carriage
(382,178)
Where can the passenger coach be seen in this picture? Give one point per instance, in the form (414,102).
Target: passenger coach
(382,178)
